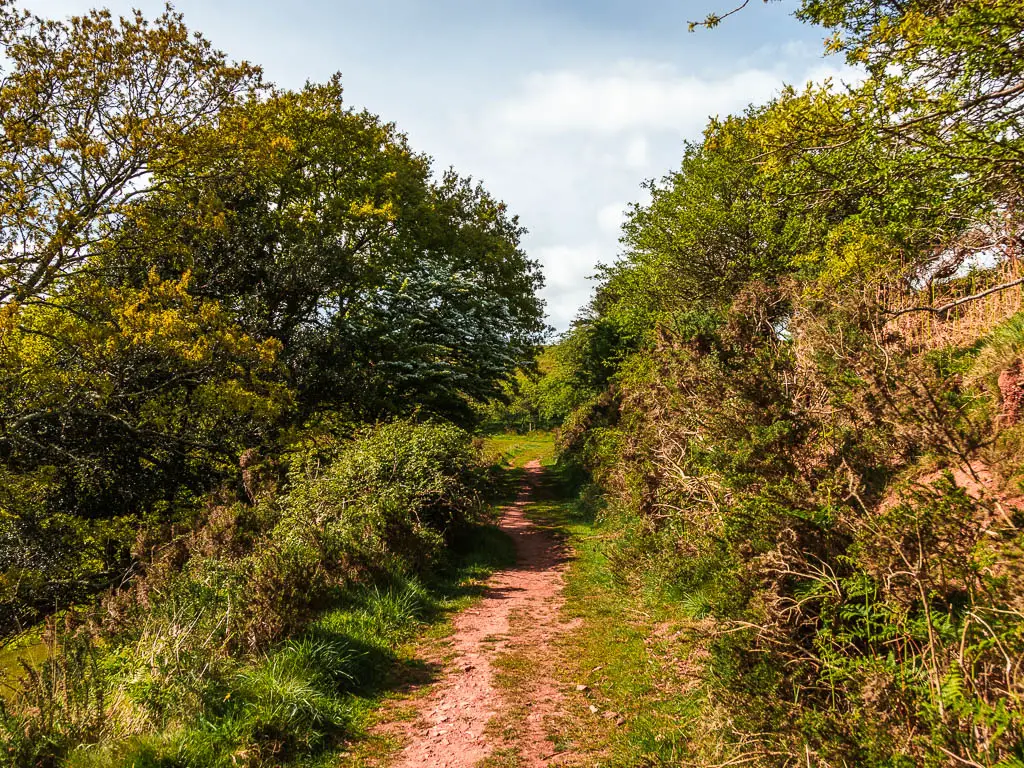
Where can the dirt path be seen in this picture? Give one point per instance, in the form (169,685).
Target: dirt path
(451,730)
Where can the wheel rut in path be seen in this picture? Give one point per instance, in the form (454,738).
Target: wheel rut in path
(451,728)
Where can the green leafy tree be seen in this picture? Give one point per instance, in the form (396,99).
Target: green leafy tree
(119,407)
(91,110)
(320,228)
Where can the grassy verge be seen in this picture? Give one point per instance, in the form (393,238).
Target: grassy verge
(632,666)
(318,694)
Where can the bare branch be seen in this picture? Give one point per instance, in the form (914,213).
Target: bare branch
(946,308)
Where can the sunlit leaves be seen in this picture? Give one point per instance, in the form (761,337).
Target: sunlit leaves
(90,108)
(318,226)
(103,378)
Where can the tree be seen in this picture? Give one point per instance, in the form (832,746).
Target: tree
(117,406)
(319,227)
(92,112)
(194,269)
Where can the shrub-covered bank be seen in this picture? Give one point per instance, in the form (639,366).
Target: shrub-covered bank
(261,636)
(800,389)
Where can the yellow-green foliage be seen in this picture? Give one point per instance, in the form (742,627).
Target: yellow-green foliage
(194,269)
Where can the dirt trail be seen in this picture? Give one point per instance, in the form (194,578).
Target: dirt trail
(451,730)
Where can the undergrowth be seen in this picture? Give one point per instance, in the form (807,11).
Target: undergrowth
(269,635)
(299,702)
(830,535)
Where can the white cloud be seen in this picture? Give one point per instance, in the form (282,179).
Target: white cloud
(561,145)
(636,152)
(566,271)
(611,217)
(634,96)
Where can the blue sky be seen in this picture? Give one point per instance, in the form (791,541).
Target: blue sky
(561,108)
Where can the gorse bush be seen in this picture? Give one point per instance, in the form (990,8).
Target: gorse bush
(850,523)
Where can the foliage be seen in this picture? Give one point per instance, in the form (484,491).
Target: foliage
(538,398)
(119,404)
(215,299)
(389,503)
(198,272)
(796,448)
(388,291)
(92,109)
(259,634)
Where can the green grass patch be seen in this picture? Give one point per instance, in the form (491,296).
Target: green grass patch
(309,701)
(518,450)
(638,659)
(505,757)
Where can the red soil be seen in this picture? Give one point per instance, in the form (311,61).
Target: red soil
(450,731)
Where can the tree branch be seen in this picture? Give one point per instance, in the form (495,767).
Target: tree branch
(945,308)
(714,19)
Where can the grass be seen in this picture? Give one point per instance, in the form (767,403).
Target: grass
(518,450)
(631,669)
(512,452)
(312,700)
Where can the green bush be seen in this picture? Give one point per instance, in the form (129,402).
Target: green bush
(387,502)
(290,703)
(250,634)
(847,518)
(396,494)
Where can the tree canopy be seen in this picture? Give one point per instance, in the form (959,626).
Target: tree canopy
(195,268)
